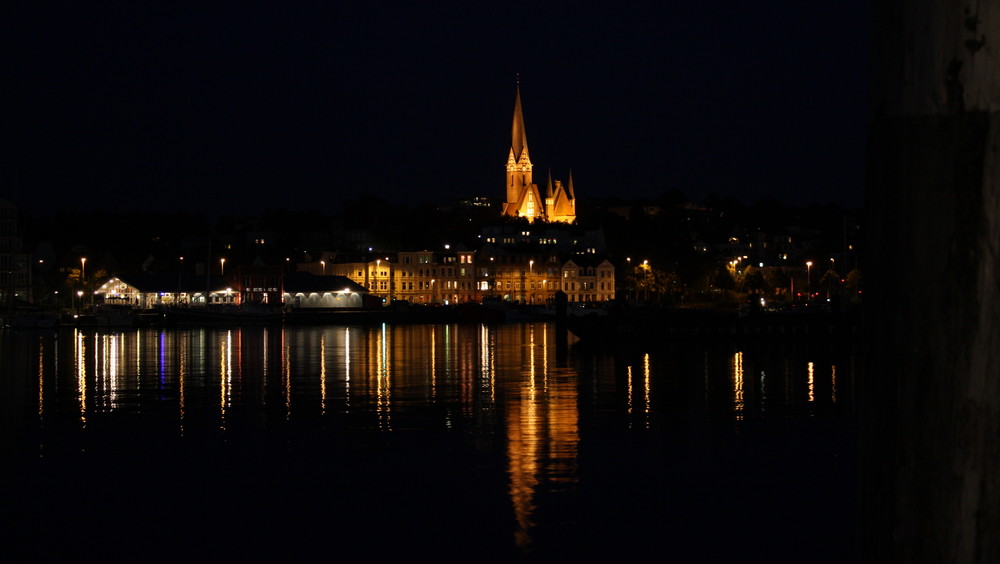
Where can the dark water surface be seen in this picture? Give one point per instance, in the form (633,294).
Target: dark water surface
(459,442)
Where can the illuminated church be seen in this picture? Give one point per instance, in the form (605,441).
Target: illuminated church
(524,198)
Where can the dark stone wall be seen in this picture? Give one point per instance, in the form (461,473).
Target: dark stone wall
(930,416)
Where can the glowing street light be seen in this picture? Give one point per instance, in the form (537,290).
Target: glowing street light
(222,266)
(83,270)
(323,264)
(809,264)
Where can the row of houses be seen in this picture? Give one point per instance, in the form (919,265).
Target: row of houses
(344,281)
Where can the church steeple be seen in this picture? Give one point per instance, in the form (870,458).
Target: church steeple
(518,162)
(524,197)
(518,138)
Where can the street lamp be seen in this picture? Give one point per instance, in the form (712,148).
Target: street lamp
(531,279)
(645,280)
(323,264)
(180,276)
(83,276)
(222,266)
(631,280)
(808,279)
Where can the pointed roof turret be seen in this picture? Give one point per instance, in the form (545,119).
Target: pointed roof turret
(572,193)
(518,139)
(548,190)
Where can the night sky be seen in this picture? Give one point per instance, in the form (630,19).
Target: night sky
(245,106)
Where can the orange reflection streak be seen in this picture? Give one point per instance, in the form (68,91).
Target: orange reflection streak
(181,346)
(646,386)
(264,368)
(812,395)
(833,383)
(322,373)
(628,393)
(286,386)
(433,363)
(738,385)
(545,349)
(286,371)
(41,377)
(542,441)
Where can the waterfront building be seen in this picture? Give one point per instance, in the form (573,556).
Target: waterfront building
(303,290)
(529,274)
(160,289)
(259,284)
(15,264)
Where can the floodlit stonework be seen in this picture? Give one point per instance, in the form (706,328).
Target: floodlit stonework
(524,198)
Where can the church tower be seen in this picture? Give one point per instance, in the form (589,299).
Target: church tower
(523,197)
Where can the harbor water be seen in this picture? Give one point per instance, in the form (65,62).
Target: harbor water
(458,442)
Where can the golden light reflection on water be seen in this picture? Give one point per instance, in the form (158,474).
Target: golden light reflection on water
(810,368)
(542,433)
(738,401)
(628,392)
(41,377)
(322,373)
(182,356)
(347,368)
(833,383)
(504,383)
(647,388)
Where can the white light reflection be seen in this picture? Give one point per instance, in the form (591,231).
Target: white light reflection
(81,375)
(107,354)
(486,362)
(347,368)
(382,379)
(225,375)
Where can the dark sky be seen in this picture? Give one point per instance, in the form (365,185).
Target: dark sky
(248,105)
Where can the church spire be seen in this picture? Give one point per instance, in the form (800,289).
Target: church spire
(518,139)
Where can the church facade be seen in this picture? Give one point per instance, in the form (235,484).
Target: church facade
(523,197)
